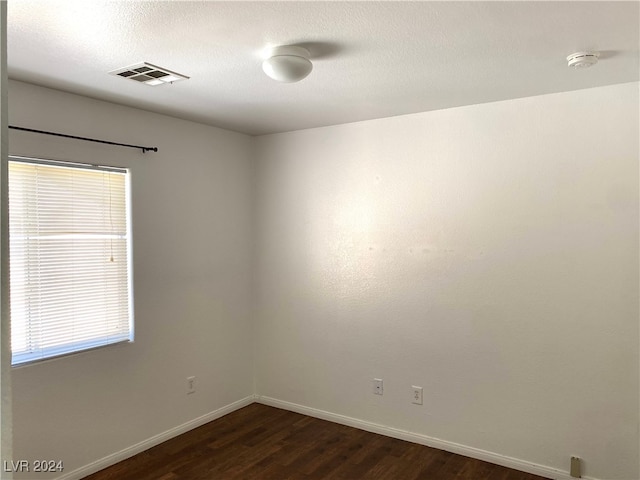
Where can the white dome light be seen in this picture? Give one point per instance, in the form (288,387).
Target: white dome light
(287,64)
(583,59)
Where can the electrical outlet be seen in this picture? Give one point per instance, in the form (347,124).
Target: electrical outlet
(377,386)
(416,396)
(575,467)
(191,385)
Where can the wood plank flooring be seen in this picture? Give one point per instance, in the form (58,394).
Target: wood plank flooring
(266,443)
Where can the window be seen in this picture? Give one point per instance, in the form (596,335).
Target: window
(70,266)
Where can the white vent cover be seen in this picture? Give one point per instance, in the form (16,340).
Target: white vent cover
(148,74)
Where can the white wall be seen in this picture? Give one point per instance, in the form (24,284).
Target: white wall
(487,253)
(5,344)
(191,207)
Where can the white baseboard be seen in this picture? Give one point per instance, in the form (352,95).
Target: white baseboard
(114,458)
(472,452)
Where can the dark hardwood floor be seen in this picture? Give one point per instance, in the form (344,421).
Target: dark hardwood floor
(261,442)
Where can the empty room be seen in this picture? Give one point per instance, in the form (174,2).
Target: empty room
(320,240)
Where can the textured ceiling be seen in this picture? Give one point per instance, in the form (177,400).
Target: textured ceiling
(371,59)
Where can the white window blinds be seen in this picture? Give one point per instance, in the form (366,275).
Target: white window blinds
(69,258)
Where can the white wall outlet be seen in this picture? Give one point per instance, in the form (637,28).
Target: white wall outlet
(191,385)
(416,395)
(377,386)
(575,467)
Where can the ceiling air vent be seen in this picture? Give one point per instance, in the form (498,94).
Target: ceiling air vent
(148,74)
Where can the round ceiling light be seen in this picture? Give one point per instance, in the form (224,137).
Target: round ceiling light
(287,64)
(583,59)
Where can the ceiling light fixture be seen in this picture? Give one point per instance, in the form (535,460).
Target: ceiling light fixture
(583,59)
(148,74)
(287,64)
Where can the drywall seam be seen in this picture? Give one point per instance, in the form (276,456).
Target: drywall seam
(114,458)
(418,438)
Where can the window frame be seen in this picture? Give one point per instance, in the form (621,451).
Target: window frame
(82,346)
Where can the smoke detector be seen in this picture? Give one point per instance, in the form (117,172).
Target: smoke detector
(148,74)
(583,59)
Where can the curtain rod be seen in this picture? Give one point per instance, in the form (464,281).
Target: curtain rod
(144,149)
